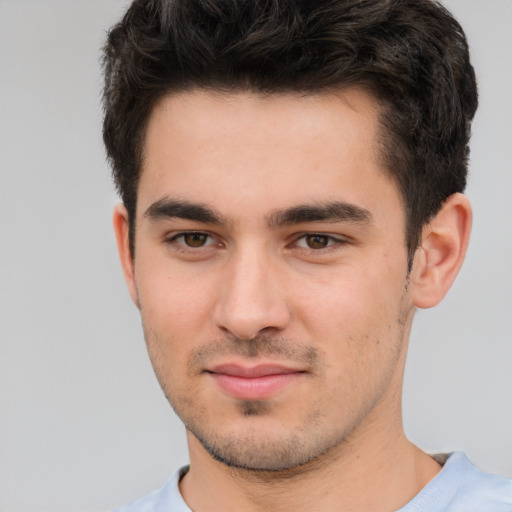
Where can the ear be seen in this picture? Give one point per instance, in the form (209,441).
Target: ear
(121,230)
(442,250)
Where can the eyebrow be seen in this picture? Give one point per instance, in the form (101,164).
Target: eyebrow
(335,211)
(169,208)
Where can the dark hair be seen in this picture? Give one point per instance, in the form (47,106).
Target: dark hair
(412,55)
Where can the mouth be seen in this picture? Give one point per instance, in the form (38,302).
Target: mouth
(256,382)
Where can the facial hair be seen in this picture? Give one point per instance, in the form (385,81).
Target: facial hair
(280,449)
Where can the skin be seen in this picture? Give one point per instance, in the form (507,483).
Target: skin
(252,277)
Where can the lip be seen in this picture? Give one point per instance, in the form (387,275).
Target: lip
(253,383)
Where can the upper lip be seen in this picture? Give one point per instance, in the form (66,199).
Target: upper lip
(261,370)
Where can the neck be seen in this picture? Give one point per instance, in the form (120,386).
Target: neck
(375,471)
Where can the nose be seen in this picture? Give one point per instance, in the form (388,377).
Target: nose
(251,298)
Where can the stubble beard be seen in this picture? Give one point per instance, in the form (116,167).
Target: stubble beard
(254,451)
(251,449)
(284,453)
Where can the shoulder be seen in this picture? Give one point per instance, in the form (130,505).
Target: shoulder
(478,489)
(462,487)
(166,498)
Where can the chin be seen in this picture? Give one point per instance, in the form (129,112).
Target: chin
(257,450)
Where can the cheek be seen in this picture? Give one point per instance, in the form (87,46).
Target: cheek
(354,316)
(343,300)
(174,311)
(173,300)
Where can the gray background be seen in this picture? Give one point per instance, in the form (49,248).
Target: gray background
(83,423)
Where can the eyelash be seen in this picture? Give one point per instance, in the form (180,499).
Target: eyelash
(183,246)
(332,242)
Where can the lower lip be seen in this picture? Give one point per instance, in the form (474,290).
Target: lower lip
(256,388)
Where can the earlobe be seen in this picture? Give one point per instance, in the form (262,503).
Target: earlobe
(440,256)
(122,232)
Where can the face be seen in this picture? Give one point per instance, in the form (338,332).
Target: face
(270,270)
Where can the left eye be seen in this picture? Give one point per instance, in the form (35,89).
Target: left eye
(315,241)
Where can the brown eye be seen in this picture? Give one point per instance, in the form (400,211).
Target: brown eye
(317,241)
(195,239)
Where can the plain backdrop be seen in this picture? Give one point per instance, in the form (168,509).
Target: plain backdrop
(83,423)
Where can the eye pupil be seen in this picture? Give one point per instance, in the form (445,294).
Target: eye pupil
(195,239)
(317,241)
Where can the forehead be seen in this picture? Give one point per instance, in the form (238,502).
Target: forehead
(252,149)
(203,116)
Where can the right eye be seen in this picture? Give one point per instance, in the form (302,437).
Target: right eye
(195,239)
(316,241)
(192,240)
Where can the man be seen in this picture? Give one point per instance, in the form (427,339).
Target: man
(292,176)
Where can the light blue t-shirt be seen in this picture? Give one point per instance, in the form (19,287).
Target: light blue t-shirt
(458,487)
